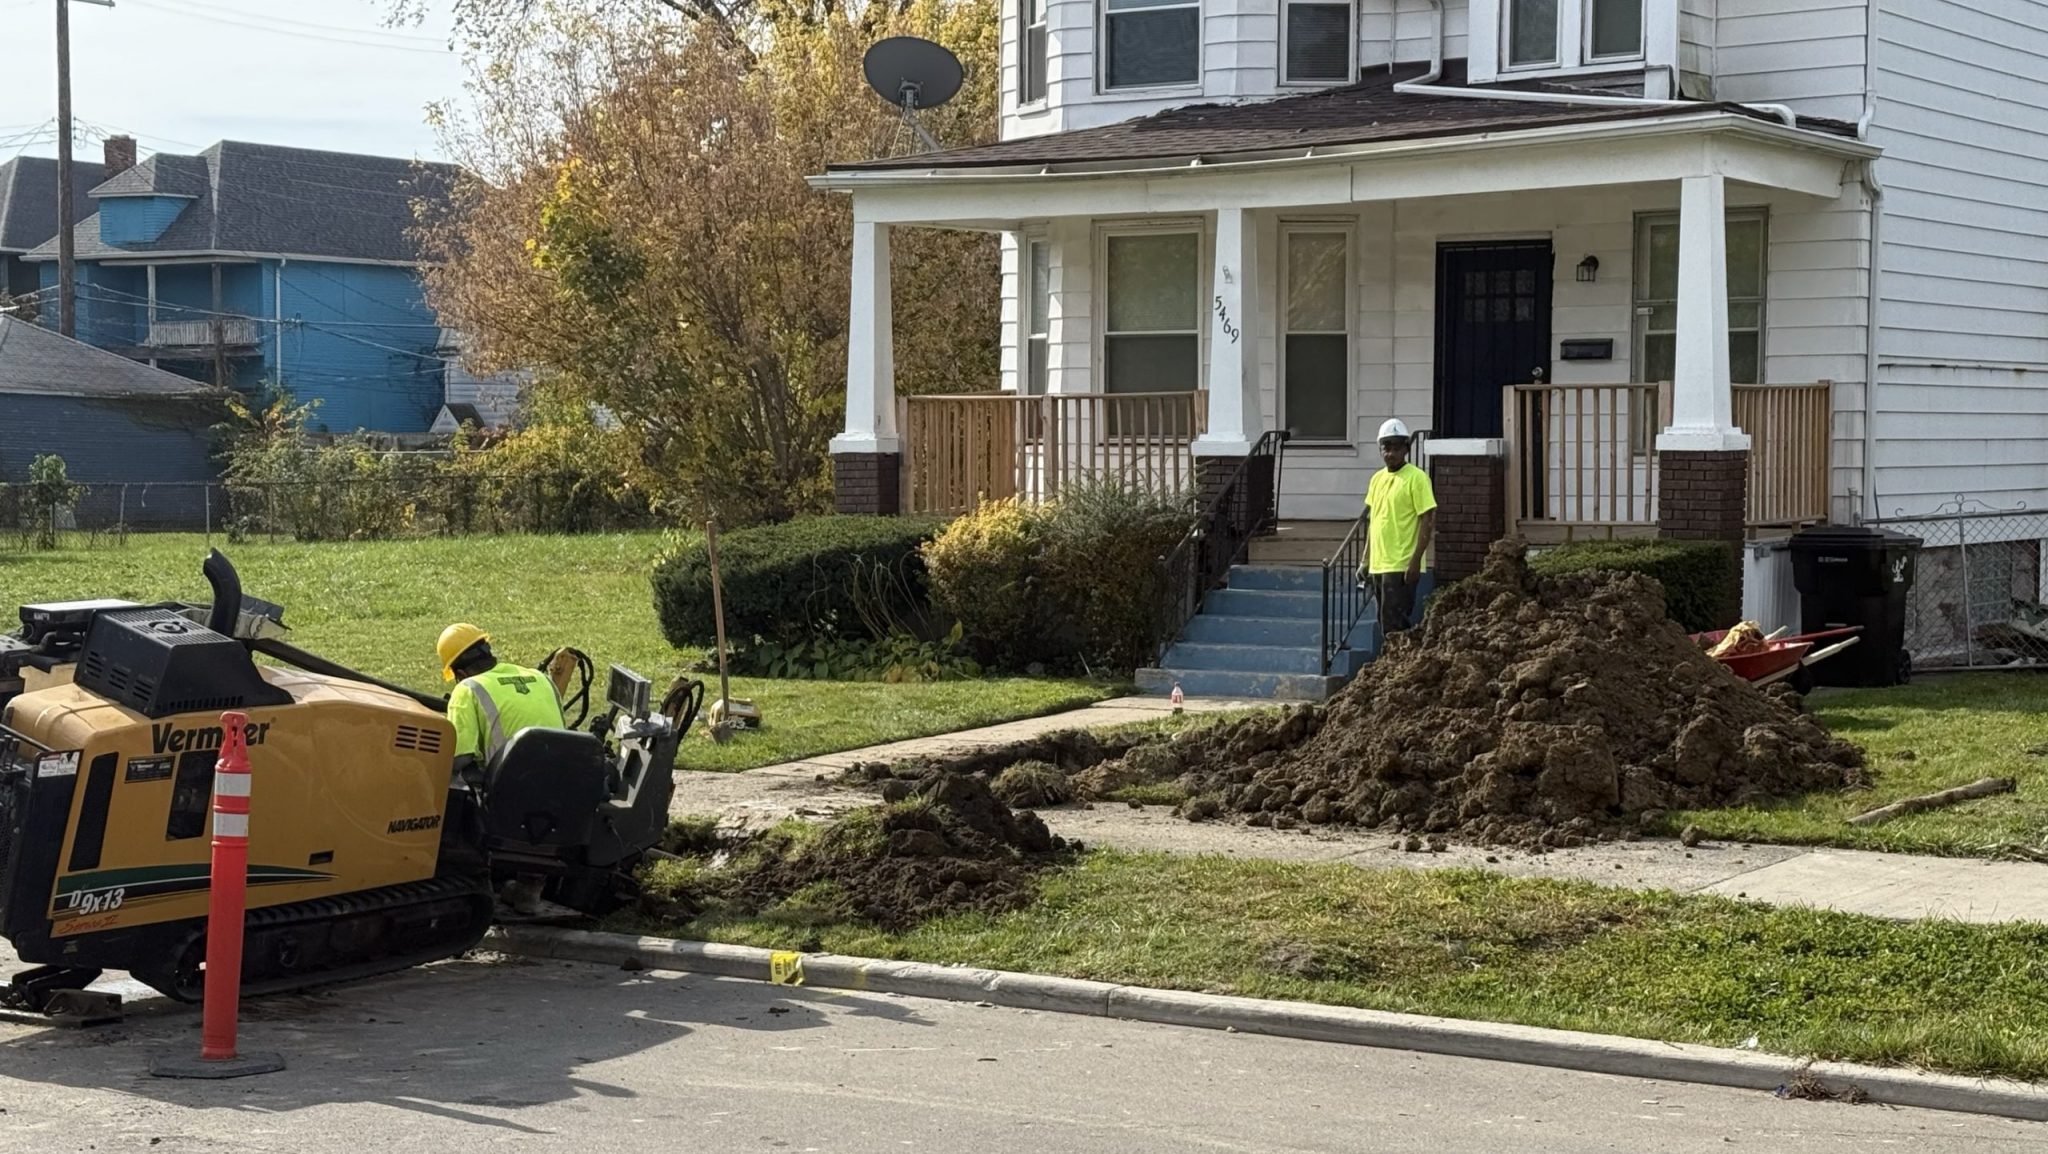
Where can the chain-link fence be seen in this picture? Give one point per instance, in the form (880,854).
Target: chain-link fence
(1980,595)
(372,508)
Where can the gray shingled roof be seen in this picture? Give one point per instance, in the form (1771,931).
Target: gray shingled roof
(28,199)
(262,198)
(36,360)
(1365,112)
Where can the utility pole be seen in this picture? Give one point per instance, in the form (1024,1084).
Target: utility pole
(67,268)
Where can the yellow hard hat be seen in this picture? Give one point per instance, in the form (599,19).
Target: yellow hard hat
(455,641)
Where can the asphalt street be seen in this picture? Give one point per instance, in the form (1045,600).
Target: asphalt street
(492,1054)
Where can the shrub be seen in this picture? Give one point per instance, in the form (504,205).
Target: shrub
(799,581)
(1701,579)
(1103,545)
(1074,583)
(986,572)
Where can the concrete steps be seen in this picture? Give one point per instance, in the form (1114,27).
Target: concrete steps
(1261,637)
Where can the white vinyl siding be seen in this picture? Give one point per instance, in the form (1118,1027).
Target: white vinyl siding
(1401,30)
(1806,54)
(1696,29)
(1962,114)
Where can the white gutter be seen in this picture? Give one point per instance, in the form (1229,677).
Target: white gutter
(1425,85)
(1708,118)
(1874,290)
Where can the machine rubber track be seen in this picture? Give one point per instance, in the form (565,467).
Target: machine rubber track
(338,939)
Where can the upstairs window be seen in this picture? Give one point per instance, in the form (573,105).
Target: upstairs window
(1317,42)
(1152,43)
(1570,33)
(1031,64)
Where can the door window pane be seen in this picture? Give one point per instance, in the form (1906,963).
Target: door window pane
(1318,42)
(1152,282)
(1532,31)
(1617,28)
(1153,43)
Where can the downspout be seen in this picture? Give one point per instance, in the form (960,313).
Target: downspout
(1874,291)
(277,323)
(1425,85)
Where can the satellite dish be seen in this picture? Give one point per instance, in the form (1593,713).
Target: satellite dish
(912,73)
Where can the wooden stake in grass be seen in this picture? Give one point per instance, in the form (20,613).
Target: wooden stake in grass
(1976,789)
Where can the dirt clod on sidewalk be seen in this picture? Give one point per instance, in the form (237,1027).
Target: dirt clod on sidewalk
(1543,712)
(946,845)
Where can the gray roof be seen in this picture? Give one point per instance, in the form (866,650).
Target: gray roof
(262,198)
(28,199)
(37,360)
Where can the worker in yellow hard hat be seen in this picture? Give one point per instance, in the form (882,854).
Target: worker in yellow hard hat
(493,700)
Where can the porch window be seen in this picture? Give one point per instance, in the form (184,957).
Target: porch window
(1151,340)
(1316,351)
(1656,293)
(1031,62)
(1038,315)
(1317,42)
(1570,33)
(1152,43)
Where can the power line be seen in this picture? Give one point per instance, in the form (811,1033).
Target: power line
(276,29)
(343,29)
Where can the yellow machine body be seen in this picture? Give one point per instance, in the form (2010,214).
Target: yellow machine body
(349,785)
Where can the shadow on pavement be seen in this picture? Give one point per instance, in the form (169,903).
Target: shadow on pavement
(467,1040)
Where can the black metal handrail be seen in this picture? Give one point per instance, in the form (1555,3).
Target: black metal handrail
(1247,505)
(1346,591)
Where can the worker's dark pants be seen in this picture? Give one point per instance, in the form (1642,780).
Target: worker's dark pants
(1397,603)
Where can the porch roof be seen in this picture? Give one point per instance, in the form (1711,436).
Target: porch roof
(1367,112)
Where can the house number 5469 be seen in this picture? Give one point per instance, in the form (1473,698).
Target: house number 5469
(1223,315)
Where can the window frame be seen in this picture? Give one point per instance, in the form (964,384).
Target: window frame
(1348,229)
(1027,300)
(1027,68)
(1204,258)
(1350,43)
(1573,43)
(1641,435)
(1105,86)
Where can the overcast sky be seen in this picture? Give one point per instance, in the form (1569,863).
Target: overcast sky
(181,74)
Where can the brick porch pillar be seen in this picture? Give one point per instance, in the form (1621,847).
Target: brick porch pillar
(1704,496)
(867,483)
(1470,479)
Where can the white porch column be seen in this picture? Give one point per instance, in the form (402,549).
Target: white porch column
(1702,402)
(870,348)
(1236,420)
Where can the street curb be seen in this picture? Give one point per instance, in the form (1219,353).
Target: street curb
(1527,1045)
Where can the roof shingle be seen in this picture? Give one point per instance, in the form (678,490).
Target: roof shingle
(36,360)
(1366,112)
(28,199)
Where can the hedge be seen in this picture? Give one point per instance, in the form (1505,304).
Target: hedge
(1701,579)
(810,578)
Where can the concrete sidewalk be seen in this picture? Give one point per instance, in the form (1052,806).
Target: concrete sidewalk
(1899,886)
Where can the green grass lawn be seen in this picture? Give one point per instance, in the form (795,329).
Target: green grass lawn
(1936,733)
(378,606)
(1941,995)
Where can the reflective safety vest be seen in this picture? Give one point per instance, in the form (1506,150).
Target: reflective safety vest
(486,710)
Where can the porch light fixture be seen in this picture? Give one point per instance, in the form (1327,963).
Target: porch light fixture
(1589,269)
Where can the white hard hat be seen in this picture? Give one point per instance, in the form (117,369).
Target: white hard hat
(1394,428)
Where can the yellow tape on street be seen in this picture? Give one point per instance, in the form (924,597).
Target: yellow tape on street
(786,968)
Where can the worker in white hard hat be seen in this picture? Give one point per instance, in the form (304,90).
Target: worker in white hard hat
(1401,507)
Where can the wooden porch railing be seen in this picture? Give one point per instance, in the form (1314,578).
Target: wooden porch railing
(1582,459)
(959,450)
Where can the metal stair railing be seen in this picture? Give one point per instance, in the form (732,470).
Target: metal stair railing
(1247,505)
(1346,593)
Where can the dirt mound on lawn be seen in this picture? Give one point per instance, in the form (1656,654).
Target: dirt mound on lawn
(1523,710)
(941,844)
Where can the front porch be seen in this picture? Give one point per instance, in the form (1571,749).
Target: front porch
(1624,327)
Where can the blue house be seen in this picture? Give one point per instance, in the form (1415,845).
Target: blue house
(250,264)
(28,210)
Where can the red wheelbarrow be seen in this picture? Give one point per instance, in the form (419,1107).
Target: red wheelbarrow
(1781,657)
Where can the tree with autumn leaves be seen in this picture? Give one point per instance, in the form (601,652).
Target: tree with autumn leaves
(637,227)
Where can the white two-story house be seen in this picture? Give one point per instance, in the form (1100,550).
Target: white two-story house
(1633,264)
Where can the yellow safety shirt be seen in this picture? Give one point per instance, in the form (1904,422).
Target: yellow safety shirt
(1397,502)
(486,710)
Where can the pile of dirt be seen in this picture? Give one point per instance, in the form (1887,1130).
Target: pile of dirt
(1528,711)
(942,844)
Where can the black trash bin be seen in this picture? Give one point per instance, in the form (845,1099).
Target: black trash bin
(1852,575)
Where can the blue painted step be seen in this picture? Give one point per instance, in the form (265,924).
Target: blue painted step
(1280,578)
(1212,628)
(1238,684)
(1264,603)
(1244,658)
